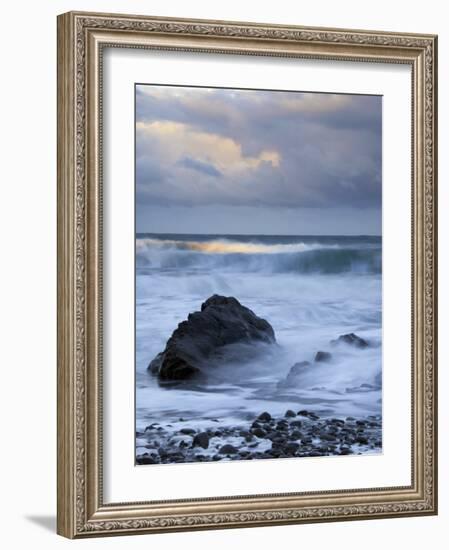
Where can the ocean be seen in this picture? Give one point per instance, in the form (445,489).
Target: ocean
(311,289)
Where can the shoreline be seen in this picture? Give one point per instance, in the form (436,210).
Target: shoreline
(295,434)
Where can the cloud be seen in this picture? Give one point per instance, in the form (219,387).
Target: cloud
(175,139)
(200,166)
(244,147)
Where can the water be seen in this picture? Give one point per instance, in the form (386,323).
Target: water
(310,289)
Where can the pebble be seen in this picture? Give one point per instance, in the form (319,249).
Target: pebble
(228,449)
(286,436)
(201,440)
(187,431)
(259,432)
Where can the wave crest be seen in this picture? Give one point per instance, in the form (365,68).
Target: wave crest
(239,257)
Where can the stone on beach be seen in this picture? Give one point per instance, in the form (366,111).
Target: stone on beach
(201,440)
(317,436)
(228,449)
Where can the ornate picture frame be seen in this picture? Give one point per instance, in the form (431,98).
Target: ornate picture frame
(82,39)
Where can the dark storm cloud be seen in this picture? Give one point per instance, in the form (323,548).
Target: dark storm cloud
(199,166)
(276,149)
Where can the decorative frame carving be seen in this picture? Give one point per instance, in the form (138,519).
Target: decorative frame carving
(81,39)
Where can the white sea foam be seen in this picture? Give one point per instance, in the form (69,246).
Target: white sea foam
(244,256)
(307,309)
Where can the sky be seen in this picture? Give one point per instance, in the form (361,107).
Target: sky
(223,161)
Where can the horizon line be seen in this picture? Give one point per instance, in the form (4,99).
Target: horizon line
(261,234)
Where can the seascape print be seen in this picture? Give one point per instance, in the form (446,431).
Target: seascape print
(258,273)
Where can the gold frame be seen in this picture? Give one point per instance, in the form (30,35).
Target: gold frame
(81,38)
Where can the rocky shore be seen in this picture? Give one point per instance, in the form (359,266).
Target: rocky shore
(224,332)
(296,434)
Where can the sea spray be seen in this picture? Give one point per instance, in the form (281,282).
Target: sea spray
(310,289)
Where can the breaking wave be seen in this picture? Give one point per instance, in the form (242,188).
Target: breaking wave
(255,256)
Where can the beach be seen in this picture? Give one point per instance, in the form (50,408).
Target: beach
(311,290)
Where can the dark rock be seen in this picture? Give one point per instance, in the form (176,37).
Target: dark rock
(290,414)
(264,417)
(296,423)
(259,432)
(323,357)
(282,427)
(206,339)
(187,431)
(291,447)
(201,440)
(297,369)
(146,460)
(278,439)
(294,374)
(352,340)
(151,426)
(345,451)
(337,421)
(333,430)
(228,450)
(308,414)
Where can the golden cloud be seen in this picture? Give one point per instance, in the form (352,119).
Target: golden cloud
(180,140)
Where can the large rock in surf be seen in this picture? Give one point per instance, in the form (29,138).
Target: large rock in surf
(209,337)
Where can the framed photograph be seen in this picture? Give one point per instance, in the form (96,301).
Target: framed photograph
(247,321)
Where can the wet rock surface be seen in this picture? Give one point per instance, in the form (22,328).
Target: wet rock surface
(297,371)
(293,434)
(323,357)
(209,338)
(351,339)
